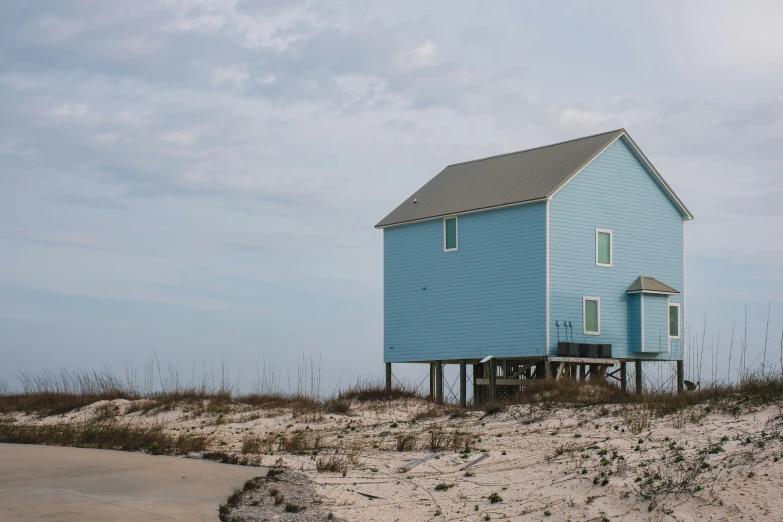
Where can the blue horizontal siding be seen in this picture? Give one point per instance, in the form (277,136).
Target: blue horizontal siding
(486,298)
(656,323)
(614,192)
(635,323)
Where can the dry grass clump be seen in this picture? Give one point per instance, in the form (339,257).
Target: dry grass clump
(51,393)
(339,461)
(299,441)
(227,458)
(568,391)
(406,442)
(302,403)
(54,394)
(755,389)
(251,444)
(375,390)
(637,420)
(331,463)
(454,440)
(231,502)
(439,410)
(339,407)
(492,408)
(126,436)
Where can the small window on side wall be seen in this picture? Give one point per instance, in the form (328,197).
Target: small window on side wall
(674,321)
(450,234)
(603,247)
(591,310)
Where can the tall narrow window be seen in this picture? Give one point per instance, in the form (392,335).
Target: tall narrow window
(592,315)
(450,234)
(674,321)
(603,247)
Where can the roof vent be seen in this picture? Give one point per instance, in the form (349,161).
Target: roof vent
(415,201)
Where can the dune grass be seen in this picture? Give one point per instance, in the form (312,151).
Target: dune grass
(125,436)
(755,389)
(49,394)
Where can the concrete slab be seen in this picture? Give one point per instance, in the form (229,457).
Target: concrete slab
(75,484)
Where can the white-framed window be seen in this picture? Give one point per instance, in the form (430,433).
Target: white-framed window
(591,315)
(604,247)
(674,320)
(450,234)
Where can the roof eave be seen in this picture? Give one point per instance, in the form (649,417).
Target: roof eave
(381,225)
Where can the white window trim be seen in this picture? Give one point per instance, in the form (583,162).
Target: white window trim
(584,315)
(679,321)
(611,247)
(456,222)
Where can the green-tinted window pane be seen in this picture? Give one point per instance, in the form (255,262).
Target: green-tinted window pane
(674,321)
(451,233)
(591,315)
(604,248)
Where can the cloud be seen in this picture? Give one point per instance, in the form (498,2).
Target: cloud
(233,156)
(236,75)
(187,137)
(74,110)
(418,57)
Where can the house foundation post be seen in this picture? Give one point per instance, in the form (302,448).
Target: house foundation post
(623,377)
(493,375)
(477,398)
(388,377)
(639,381)
(582,372)
(463,383)
(439,382)
(432,380)
(680,377)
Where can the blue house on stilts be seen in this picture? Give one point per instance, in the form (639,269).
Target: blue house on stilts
(566,260)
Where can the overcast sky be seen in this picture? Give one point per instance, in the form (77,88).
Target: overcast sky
(202,178)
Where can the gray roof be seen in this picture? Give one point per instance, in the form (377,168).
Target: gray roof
(507,179)
(650,284)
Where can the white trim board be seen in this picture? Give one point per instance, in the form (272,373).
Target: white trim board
(684,290)
(547,278)
(641,297)
(668,333)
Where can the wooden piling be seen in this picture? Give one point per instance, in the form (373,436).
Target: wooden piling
(478,398)
(623,377)
(493,375)
(639,381)
(388,377)
(680,377)
(463,383)
(439,382)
